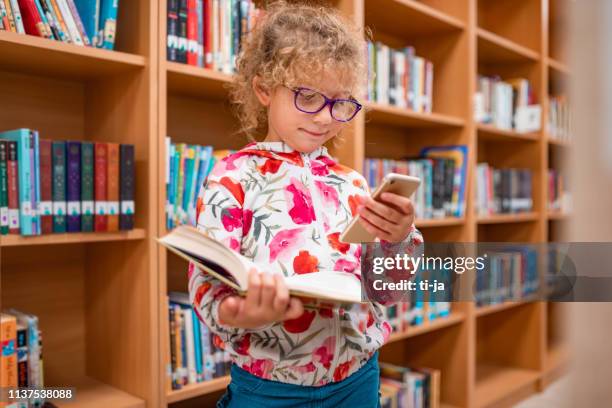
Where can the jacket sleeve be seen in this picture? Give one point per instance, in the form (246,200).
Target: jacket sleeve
(220,215)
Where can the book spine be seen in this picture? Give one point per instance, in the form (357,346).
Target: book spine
(182,31)
(31,21)
(13,188)
(8,355)
(112,191)
(9,16)
(70,22)
(49,33)
(17,17)
(192,35)
(79,23)
(51,20)
(100,184)
(172,31)
(200,31)
(35,165)
(87,186)
(108,23)
(127,189)
(22,355)
(73,186)
(208,33)
(59,186)
(61,21)
(46,187)
(4,222)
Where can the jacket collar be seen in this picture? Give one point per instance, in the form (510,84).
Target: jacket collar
(282,151)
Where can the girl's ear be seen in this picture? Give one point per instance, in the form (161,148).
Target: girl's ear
(262,93)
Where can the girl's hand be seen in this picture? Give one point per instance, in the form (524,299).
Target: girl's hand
(267,301)
(390,219)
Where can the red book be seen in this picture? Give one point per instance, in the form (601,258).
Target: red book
(192,33)
(46,189)
(112,190)
(13,188)
(208,32)
(100,180)
(32,23)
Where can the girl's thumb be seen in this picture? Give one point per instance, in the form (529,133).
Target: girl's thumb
(228,309)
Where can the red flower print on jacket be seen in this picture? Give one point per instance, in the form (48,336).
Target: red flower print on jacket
(300,203)
(231,218)
(344,265)
(233,187)
(341,371)
(325,353)
(301,324)
(353,202)
(319,168)
(242,345)
(285,243)
(305,263)
(260,368)
(326,312)
(247,220)
(335,243)
(200,292)
(329,195)
(270,166)
(199,207)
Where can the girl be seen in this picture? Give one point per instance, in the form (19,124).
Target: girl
(283,203)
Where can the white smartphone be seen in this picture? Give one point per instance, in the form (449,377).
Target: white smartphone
(395,183)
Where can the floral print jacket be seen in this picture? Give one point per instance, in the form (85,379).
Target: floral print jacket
(285,211)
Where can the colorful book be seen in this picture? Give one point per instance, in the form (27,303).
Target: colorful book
(89,11)
(108,23)
(58,149)
(35,166)
(4,222)
(87,187)
(79,23)
(12,171)
(112,190)
(73,186)
(127,189)
(22,354)
(100,185)
(8,355)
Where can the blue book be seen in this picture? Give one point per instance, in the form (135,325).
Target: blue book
(197,345)
(171,187)
(22,137)
(89,11)
(107,24)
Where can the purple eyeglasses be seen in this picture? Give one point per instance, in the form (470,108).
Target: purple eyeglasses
(310,101)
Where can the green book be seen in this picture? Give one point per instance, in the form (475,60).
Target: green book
(87,186)
(58,152)
(4,221)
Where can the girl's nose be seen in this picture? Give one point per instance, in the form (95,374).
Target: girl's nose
(323,116)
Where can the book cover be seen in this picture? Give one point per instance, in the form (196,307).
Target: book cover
(22,354)
(172,30)
(182,31)
(17,17)
(35,377)
(100,185)
(192,35)
(58,149)
(46,187)
(89,11)
(4,222)
(87,186)
(13,188)
(60,21)
(35,165)
(51,20)
(127,187)
(112,190)
(49,33)
(8,355)
(31,20)
(73,186)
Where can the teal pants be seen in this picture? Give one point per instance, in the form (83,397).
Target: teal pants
(359,390)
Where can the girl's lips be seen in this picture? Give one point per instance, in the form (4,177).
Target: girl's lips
(313,133)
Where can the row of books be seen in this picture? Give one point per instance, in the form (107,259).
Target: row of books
(81,22)
(510,275)
(21,362)
(422,306)
(399,78)
(498,102)
(559,199)
(208,33)
(559,118)
(54,186)
(409,387)
(443,172)
(187,166)
(196,354)
(501,191)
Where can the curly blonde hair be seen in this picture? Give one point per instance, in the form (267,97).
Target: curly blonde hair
(294,44)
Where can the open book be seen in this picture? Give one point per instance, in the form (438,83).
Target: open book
(232,268)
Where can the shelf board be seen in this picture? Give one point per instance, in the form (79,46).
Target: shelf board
(438,222)
(487,310)
(91,393)
(558,66)
(391,16)
(493,48)
(508,218)
(490,132)
(35,55)
(558,142)
(494,383)
(452,319)
(71,238)
(196,390)
(391,115)
(558,215)
(188,80)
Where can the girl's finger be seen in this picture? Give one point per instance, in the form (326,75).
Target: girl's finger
(281,300)
(294,310)
(372,229)
(383,210)
(228,310)
(377,220)
(402,204)
(253,297)
(268,289)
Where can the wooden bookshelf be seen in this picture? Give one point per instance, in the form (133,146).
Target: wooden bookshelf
(101,298)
